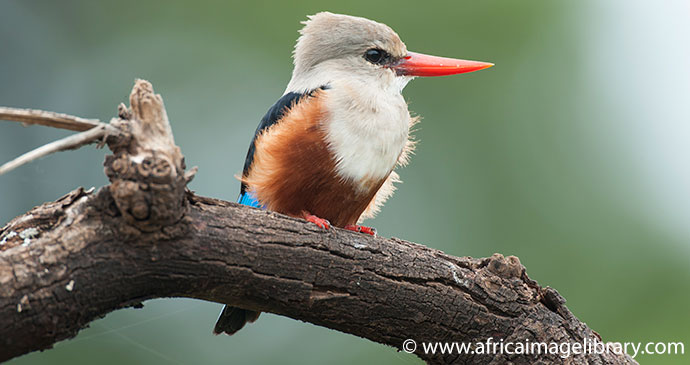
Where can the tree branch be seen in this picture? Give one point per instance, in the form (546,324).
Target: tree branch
(49,119)
(91,130)
(144,236)
(71,142)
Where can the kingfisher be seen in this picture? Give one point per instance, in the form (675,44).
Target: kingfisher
(327,149)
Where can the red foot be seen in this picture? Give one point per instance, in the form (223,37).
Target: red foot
(362,229)
(323,223)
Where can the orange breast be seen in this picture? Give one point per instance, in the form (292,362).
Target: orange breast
(294,172)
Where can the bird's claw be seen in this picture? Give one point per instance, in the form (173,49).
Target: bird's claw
(361,229)
(322,223)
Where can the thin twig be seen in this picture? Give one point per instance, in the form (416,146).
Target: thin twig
(71,142)
(49,119)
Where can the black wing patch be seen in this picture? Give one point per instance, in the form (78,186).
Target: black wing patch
(277,111)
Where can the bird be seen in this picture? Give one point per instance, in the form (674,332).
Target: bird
(327,149)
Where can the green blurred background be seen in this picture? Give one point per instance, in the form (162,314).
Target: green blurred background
(571,153)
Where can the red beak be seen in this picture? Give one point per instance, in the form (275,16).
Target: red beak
(417,64)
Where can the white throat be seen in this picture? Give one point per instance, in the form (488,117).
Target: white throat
(367,123)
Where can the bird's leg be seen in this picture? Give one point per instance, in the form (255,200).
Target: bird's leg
(322,223)
(361,229)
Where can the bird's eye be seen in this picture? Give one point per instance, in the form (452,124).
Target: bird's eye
(376,56)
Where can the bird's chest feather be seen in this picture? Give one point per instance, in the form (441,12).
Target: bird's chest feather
(366,132)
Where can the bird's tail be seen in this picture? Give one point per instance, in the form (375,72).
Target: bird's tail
(232,319)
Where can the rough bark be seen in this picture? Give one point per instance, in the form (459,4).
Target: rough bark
(144,236)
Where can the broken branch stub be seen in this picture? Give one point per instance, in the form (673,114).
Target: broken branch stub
(146,169)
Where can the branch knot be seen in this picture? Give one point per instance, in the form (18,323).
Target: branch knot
(147,171)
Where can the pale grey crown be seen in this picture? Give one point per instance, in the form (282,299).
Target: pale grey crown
(328,36)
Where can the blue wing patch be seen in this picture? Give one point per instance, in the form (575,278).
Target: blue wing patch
(247,198)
